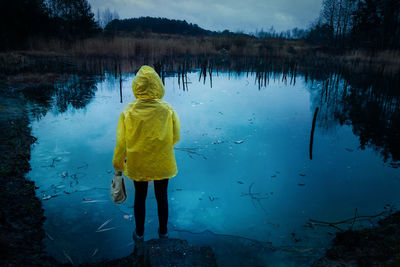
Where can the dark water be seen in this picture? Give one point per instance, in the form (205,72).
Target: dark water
(246,184)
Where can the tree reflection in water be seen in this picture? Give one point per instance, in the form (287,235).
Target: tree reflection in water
(76,92)
(366,98)
(369,103)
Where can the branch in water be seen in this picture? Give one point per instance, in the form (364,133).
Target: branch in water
(352,220)
(312,131)
(190,151)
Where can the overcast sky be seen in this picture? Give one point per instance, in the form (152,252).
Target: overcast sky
(217,15)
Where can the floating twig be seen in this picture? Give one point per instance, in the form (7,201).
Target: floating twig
(105,229)
(256,197)
(352,220)
(104,224)
(88,200)
(94,252)
(52,165)
(68,257)
(312,132)
(191,151)
(49,236)
(47,197)
(83,166)
(355,218)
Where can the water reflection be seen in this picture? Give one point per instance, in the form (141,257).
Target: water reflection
(245,173)
(75,93)
(366,98)
(369,103)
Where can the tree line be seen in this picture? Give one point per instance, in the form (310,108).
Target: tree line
(373,24)
(172,26)
(156,25)
(295,33)
(24,19)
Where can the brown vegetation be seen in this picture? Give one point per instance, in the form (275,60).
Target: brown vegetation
(53,60)
(158,46)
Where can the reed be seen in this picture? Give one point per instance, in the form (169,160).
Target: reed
(159,45)
(259,53)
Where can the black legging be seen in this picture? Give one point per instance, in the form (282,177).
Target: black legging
(160,189)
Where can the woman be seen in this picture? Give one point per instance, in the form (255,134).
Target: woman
(148,128)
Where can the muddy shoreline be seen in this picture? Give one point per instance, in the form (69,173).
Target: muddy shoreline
(378,246)
(21,214)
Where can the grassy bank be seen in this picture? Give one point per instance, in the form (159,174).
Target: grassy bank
(161,45)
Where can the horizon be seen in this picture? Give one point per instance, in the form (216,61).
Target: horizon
(234,16)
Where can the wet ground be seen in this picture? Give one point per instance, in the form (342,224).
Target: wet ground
(21,214)
(378,246)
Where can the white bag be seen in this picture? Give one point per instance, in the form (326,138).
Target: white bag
(118,192)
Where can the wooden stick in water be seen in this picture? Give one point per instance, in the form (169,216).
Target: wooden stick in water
(312,131)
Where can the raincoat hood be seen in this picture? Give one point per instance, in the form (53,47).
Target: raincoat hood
(147,85)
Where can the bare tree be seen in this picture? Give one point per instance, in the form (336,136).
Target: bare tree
(338,15)
(338,19)
(349,7)
(329,12)
(115,14)
(107,16)
(98,18)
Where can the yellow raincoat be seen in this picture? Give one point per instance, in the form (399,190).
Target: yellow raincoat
(148,128)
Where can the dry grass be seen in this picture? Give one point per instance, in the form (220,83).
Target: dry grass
(160,45)
(114,51)
(387,61)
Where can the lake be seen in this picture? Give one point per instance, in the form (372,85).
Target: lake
(246,186)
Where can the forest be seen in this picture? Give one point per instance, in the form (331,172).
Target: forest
(373,24)
(22,20)
(156,25)
(342,24)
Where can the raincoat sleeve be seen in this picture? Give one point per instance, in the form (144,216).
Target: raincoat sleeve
(177,127)
(120,149)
